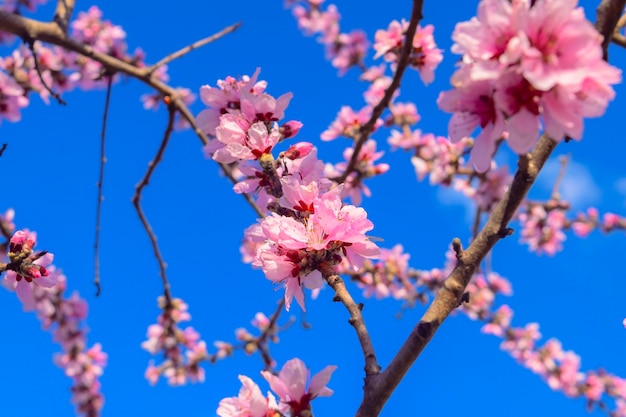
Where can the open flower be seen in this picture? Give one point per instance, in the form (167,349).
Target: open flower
(294,385)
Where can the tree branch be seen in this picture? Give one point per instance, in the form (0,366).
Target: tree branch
(137,203)
(356,318)
(56,96)
(607,16)
(195,45)
(366,129)
(103,159)
(619,39)
(378,388)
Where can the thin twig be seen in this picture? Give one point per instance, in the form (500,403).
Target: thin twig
(619,39)
(378,388)
(96,246)
(31,46)
(137,203)
(356,319)
(261,340)
(2,149)
(366,129)
(50,32)
(563,160)
(195,45)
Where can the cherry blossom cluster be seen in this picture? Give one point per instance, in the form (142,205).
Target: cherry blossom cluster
(344,50)
(348,124)
(41,287)
(542,227)
(526,63)
(59,71)
(182,349)
(388,277)
(250,343)
(183,352)
(349,49)
(309,228)
(354,185)
(544,224)
(83,365)
(242,119)
(293,385)
(391,276)
(584,223)
(27,269)
(425,57)
(560,369)
(444,163)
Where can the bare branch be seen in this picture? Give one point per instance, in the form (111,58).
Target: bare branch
(195,45)
(96,246)
(31,46)
(137,203)
(607,16)
(262,341)
(3,148)
(366,129)
(563,160)
(378,388)
(356,318)
(619,39)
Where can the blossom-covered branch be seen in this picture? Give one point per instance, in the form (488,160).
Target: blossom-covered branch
(40,287)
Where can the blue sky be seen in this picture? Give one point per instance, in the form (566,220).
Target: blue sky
(51,168)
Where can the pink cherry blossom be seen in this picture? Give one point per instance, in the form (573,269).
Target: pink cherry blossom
(294,251)
(313,20)
(425,55)
(390,39)
(403,114)
(354,185)
(225,98)
(348,123)
(294,385)
(521,66)
(12,99)
(473,106)
(543,230)
(249,403)
(348,50)
(182,349)
(243,141)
